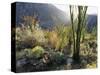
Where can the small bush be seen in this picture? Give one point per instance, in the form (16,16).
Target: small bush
(24,39)
(63,35)
(39,36)
(53,39)
(91,65)
(37,51)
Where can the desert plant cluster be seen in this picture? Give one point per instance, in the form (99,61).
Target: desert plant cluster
(64,47)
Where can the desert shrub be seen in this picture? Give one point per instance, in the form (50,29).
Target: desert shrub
(30,21)
(24,38)
(53,39)
(59,37)
(91,65)
(63,34)
(37,51)
(20,54)
(58,58)
(39,36)
(28,52)
(30,33)
(88,54)
(24,53)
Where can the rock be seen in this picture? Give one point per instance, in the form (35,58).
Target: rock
(21,62)
(69,60)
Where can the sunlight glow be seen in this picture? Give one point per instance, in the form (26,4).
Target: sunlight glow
(65,8)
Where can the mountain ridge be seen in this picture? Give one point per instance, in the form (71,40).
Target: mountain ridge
(48,14)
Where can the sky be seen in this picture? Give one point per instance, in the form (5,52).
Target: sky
(65,8)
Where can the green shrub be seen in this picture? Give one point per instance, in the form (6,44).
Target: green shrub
(37,51)
(91,65)
(20,54)
(57,58)
(63,34)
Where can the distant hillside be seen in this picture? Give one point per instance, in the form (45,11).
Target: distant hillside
(48,15)
(91,21)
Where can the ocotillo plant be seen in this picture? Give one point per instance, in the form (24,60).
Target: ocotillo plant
(76,31)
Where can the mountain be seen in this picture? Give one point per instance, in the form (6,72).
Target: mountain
(48,14)
(91,21)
